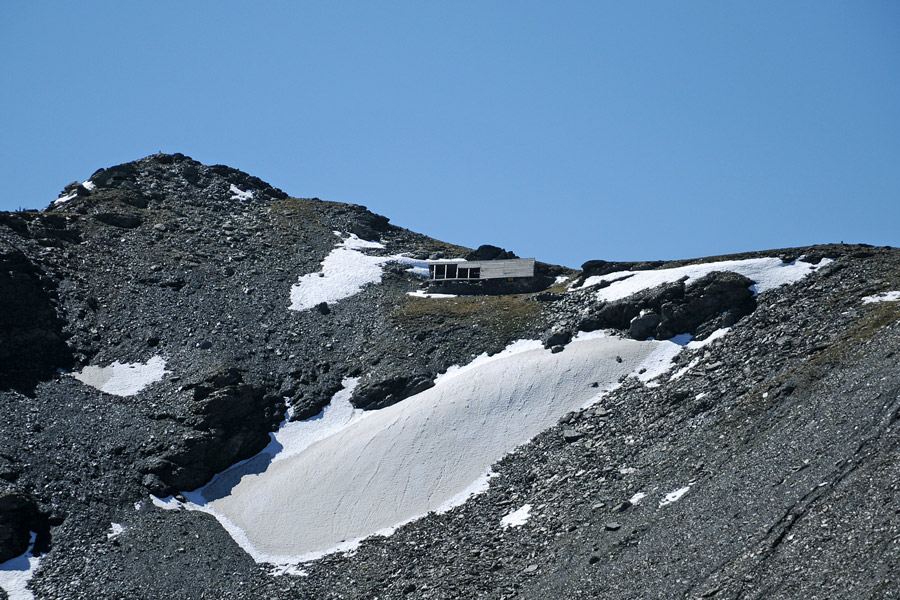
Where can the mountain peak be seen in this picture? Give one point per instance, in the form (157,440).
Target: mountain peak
(164,181)
(288,365)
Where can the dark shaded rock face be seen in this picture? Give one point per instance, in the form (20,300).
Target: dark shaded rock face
(603,267)
(32,343)
(384,393)
(231,421)
(369,226)
(715,300)
(18,515)
(121,220)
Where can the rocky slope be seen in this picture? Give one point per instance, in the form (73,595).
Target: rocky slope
(781,436)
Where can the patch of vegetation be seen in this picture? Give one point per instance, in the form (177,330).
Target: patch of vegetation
(509,316)
(289,213)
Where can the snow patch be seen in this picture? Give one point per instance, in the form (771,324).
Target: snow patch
(238,194)
(344,273)
(88,185)
(675,496)
(693,345)
(115,530)
(636,499)
(892,296)
(659,361)
(681,372)
(124,379)
(17,572)
(516,518)
(424,294)
(767,273)
(66,198)
(482,359)
(374,472)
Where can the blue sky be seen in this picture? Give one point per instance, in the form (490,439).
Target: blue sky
(567,131)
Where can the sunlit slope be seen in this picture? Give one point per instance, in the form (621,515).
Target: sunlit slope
(403,461)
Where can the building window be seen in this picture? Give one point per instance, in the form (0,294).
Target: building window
(453,271)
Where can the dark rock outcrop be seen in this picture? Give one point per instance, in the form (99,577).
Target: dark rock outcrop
(715,300)
(18,516)
(32,341)
(385,393)
(231,421)
(488,252)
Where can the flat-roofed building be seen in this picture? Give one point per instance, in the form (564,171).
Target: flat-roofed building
(480,269)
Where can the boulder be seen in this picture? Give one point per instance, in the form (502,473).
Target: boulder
(390,391)
(644,325)
(715,300)
(488,252)
(232,421)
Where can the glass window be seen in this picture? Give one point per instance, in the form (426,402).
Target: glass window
(475,273)
(451,271)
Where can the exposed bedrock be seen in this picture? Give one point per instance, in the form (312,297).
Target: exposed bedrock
(390,391)
(231,421)
(32,344)
(715,300)
(18,518)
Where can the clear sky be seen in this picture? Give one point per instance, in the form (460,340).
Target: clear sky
(566,131)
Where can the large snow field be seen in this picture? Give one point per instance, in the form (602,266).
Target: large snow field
(366,473)
(344,273)
(17,572)
(766,273)
(123,379)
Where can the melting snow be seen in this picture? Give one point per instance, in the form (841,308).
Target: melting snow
(66,198)
(767,273)
(115,530)
(516,518)
(636,499)
(693,345)
(345,271)
(124,379)
(892,296)
(681,372)
(353,475)
(238,194)
(675,496)
(424,294)
(17,572)
(88,185)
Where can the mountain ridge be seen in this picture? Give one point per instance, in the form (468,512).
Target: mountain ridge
(161,257)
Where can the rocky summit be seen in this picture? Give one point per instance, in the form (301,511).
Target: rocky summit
(211,389)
